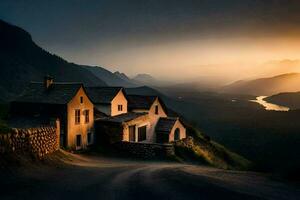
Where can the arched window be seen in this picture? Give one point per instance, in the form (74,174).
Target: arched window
(177,134)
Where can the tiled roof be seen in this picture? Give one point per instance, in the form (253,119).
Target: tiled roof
(102,95)
(29,121)
(58,93)
(165,124)
(140,102)
(122,117)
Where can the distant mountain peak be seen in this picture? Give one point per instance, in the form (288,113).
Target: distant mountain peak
(122,75)
(143,76)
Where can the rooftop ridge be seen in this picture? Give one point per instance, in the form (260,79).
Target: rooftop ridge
(58,83)
(138,95)
(105,87)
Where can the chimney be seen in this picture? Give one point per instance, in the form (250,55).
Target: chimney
(48,81)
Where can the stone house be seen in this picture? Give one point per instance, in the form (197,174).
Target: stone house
(140,123)
(67,102)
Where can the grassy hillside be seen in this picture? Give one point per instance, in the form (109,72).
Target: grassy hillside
(198,148)
(268,138)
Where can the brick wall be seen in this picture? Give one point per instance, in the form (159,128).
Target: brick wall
(36,141)
(145,150)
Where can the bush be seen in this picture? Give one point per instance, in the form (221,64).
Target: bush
(4,128)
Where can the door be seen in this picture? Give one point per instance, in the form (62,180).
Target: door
(132,133)
(78,141)
(142,133)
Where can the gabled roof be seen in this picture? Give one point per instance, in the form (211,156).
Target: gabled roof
(140,102)
(165,124)
(102,95)
(58,93)
(122,117)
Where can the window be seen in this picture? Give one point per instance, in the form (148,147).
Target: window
(77,116)
(89,138)
(78,140)
(177,134)
(132,133)
(142,133)
(81,99)
(156,109)
(120,107)
(87,116)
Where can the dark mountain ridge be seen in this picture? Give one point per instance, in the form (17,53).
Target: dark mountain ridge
(22,61)
(112,79)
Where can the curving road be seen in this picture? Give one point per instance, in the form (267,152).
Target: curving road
(87,177)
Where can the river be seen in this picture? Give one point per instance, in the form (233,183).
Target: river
(269,106)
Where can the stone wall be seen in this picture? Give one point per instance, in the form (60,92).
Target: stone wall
(35,141)
(146,150)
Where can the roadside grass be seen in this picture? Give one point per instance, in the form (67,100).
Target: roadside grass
(4,128)
(13,161)
(199,149)
(3,117)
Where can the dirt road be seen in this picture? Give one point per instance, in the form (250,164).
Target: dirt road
(88,177)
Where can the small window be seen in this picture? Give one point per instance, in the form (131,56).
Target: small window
(89,138)
(77,116)
(142,133)
(156,110)
(78,140)
(81,99)
(120,107)
(87,116)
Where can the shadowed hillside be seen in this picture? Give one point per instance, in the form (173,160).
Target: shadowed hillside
(22,61)
(288,99)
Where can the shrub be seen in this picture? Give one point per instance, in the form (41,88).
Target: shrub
(4,128)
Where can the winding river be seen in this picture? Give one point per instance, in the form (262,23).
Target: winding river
(269,106)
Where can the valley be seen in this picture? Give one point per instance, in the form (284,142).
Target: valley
(268,138)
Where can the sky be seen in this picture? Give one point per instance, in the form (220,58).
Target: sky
(171,39)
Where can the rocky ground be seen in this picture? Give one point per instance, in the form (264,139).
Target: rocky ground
(94,177)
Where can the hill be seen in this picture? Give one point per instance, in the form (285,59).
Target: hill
(147,79)
(275,67)
(266,86)
(22,61)
(112,79)
(288,99)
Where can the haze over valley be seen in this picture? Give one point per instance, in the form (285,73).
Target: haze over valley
(227,71)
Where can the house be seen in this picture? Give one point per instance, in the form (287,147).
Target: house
(68,102)
(110,101)
(169,129)
(153,106)
(145,121)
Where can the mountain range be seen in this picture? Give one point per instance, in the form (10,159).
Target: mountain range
(22,61)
